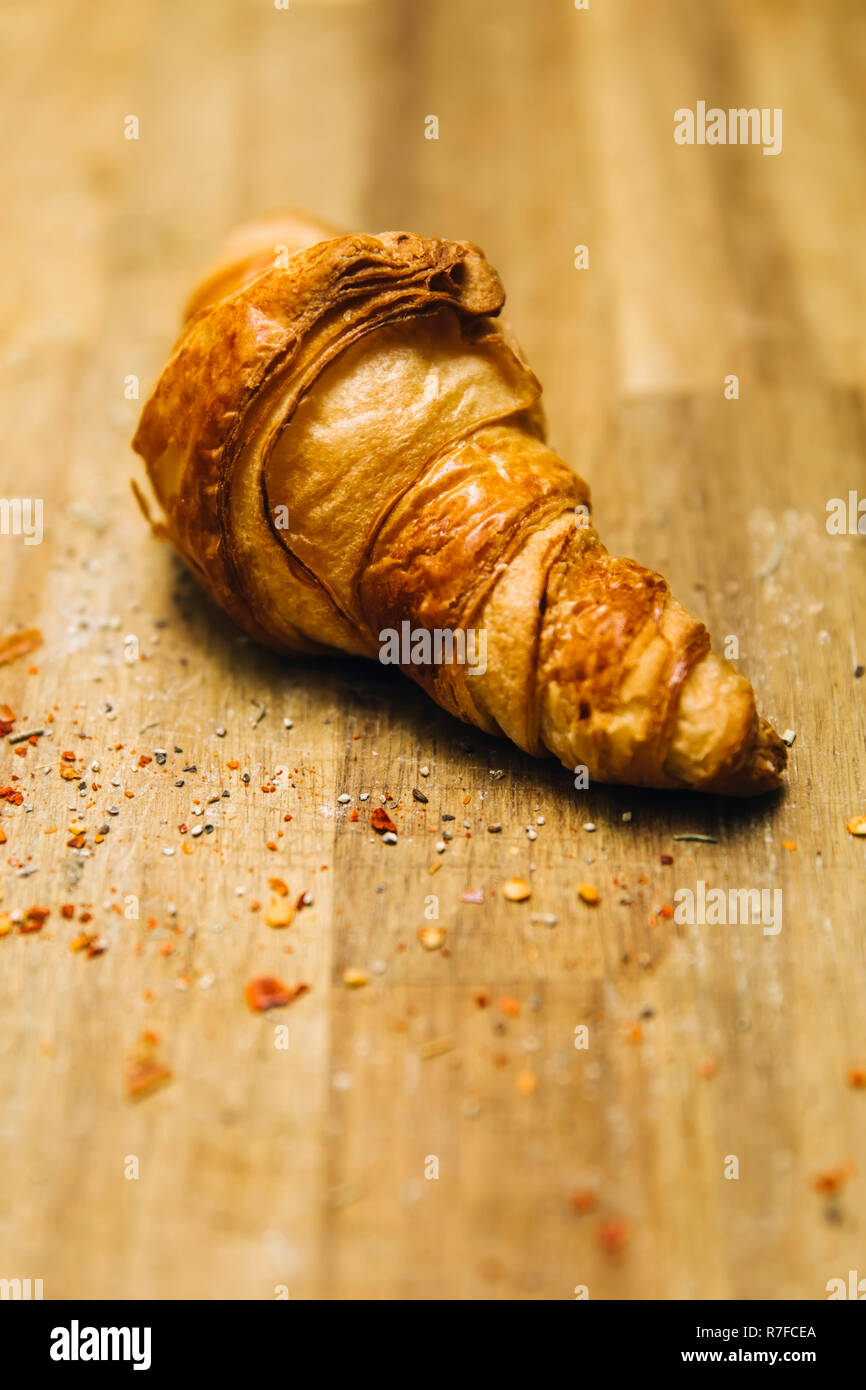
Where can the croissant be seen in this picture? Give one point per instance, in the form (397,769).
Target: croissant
(349,452)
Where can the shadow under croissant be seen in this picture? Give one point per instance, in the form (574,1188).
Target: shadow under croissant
(361,689)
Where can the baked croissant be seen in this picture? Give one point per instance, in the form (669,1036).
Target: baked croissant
(347,445)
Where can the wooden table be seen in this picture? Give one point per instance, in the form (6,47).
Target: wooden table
(309,1168)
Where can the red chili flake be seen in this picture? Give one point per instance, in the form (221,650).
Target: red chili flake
(354,816)
(266,992)
(144,759)
(12,795)
(67,911)
(832,1180)
(666,858)
(144,1070)
(34,919)
(2,836)
(76,842)
(19,644)
(381,821)
(614,1236)
(857,1078)
(582,1200)
(510,1007)
(482,998)
(666,911)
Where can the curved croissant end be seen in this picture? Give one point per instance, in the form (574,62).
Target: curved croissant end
(346,445)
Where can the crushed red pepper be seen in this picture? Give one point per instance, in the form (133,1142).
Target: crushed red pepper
(267,992)
(381,821)
(19,644)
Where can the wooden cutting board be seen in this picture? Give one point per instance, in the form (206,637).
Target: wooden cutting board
(399,1139)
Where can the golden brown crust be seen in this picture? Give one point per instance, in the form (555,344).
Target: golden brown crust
(347,441)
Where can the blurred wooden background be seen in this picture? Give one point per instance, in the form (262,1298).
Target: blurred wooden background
(304,1168)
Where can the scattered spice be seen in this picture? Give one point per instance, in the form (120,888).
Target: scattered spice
(832,1180)
(355,979)
(510,1007)
(582,1200)
(144,1069)
(857,1078)
(83,941)
(381,821)
(280,913)
(266,992)
(856,825)
(525,1083)
(614,1236)
(34,919)
(588,893)
(419,796)
(19,644)
(432,938)
(516,890)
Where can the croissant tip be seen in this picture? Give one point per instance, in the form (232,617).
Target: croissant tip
(761,771)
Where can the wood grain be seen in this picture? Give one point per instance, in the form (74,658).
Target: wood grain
(305,1167)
